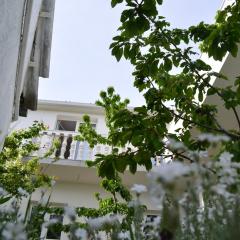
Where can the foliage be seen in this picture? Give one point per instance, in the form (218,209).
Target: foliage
(20,177)
(175,82)
(17,173)
(112,104)
(197,183)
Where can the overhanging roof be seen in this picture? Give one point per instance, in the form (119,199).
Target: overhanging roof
(67,106)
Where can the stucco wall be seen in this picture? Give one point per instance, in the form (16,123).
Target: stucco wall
(78,195)
(15,50)
(33,8)
(81,195)
(11,12)
(76,184)
(50,117)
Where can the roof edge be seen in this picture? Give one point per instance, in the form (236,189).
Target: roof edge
(68,106)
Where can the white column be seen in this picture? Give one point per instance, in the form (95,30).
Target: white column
(45,145)
(63,148)
(72,149)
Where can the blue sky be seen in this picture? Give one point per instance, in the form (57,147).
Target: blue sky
(81,63)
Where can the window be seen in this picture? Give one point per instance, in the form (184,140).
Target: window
(53,232)
(66,125)
(38,218)
(70,125)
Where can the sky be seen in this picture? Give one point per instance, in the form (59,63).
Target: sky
(81,62)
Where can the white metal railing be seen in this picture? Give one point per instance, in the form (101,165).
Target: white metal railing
(69,147)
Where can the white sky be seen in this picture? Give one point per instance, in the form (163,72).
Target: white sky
(81,63)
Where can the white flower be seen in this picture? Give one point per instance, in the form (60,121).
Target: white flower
(97,223)
(81,234)
(2,192)
(221,190)
(124,235)
(213,138)
(173,178)
(203,154)
(134,203)
(225,158)
(22,192)
(173,144)
(70,212)
(138,188)
(170,171)
(50,222)
(14,231)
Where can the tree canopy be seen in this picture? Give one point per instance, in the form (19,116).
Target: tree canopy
(174,81)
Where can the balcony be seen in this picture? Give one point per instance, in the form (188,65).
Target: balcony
(72,154)
(69,148)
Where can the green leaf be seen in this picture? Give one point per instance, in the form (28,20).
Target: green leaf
(233,49)
(135,27)
(126,51)
(4,199)
(117,52)
(211,91)
(115,2)
(149,8)
(148,164)
(167,64)
(127,14)
(133,167)
(106,169)
(121,164)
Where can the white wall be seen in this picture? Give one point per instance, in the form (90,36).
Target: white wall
(78,195)
(15,50)
(11,12)
(76,185)
(81,195)
(50,118)
(31,18)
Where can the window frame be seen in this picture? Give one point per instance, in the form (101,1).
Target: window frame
(78,120)
(44,229)
(57,124)
(47,230)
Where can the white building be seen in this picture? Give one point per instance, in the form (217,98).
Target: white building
(25,46)
(76,183)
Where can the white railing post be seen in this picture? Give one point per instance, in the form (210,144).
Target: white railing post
(80,151)
(90,154)
(45,145)
(54,136)
(72,150)
(63,148)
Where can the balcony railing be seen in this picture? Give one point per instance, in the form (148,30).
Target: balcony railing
(69,148)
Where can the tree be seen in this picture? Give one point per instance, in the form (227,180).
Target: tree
(20,176)
(16,173)
(174,82)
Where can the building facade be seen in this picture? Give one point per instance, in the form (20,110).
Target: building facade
(25,46)
(76,184)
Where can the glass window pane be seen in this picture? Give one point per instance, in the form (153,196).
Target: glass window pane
(54,233)
(66,125)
